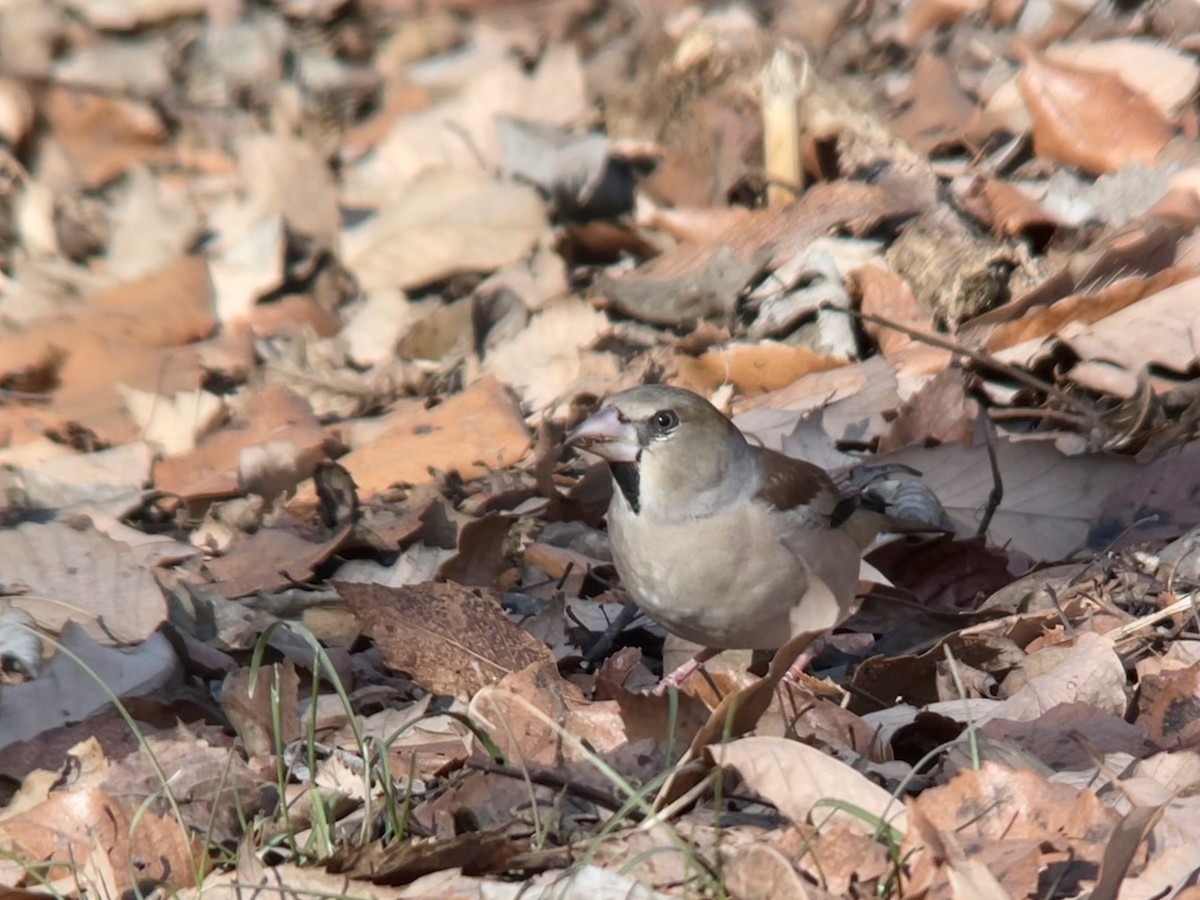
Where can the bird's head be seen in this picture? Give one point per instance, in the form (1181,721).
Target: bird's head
(670,450)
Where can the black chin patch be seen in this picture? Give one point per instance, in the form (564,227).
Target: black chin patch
(626,476)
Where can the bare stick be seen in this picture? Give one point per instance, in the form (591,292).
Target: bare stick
(984,359)
(997,492)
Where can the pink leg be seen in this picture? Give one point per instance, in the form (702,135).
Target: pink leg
(680,675)
(802,662)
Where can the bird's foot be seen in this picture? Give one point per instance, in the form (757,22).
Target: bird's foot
(676,678)
(796,670)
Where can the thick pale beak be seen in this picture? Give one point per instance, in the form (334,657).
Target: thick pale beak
(606,435)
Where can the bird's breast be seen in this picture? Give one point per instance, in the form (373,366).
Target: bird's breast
(726,580)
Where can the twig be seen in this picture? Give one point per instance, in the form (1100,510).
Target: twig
(997,492)
(10,396)
(550,779)
(981,358)
(1025,412)
(1131,628)
(604,643)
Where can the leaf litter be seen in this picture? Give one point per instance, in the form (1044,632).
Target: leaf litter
(298,301)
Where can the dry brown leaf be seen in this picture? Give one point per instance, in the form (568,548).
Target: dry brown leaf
(838,858)
(81,680)
(1089,119)
(1007,209)
(697,280)
(761,871)
(1167,707)
(272,559)
(1135,337)
(102,136)
(926,15)
(450,639)
(16,111)
(246,269)
(752,369)
(528,712)
(460,133)
(468,433)
(1166,75)
(80,575)
(130,14)
(211,783)
(543,360)
(996,808)
(1092,731)
(269,719)
(1087,308)
(1156,504)
(152,226)
(88,395)
(270,416)
(61,478)
(172,424)
(124,335)
(941,111)
(888,295)
(93,841)
(802,781)
(480,558)
(286,176)
(1050,500)
(292,317)
(939,412)
(1088,672)
(448,222)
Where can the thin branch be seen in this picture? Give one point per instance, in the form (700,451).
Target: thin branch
(604,643)
(997,492)
(981,358)
(551,779)
(1028,412)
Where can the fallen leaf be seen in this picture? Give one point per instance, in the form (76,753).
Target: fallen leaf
(1050,500)
(285,176)
(92,840)
(1166,75)
(80,575)
(1090,119)
(1089,672)
(805,784)
(270,415)
(263,710)
(468,433)
(448,222)
(70,691)
(1078,310)
(926,15)
(996,807)
(1167,707)
(272,559)
(452,640)
(940,110)
(547,357)
(753,369)
(1134,336)
(103,136)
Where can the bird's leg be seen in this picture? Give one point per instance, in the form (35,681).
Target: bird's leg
(682,673)
(802,662)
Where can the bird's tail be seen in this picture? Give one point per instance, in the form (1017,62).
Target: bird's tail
(875,503)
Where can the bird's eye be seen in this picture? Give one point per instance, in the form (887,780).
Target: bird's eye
(664,420)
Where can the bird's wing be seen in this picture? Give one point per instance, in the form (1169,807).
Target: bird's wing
(796,485)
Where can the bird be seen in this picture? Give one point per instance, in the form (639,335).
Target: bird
(723,542)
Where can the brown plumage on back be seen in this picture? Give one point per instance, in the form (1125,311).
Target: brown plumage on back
(788,483)
(724,543)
